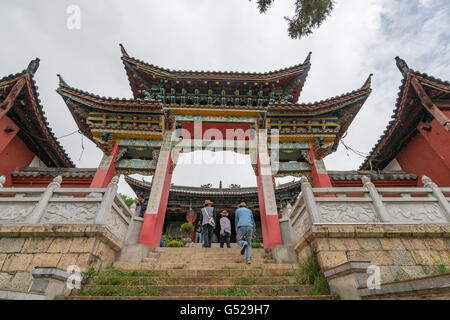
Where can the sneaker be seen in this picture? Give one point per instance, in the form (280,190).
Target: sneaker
(244,247)
(248,262)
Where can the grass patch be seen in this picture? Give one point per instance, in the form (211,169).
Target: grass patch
(228,268)
(257,245)
(118,291)
(310,273)
(438,267)
(179,267)
(113,276)
(275,291)
(402,275)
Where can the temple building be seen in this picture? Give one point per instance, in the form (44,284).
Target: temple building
(139,135)
(26,140)
(417,139)
(260,110)
(58,221)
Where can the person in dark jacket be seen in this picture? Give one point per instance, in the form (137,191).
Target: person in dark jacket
(198,231)
(207,212)
(141,206)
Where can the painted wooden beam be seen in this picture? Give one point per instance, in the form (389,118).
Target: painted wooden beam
(429,105)
(7,104)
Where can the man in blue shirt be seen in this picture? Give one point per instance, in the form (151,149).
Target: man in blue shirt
(245,229)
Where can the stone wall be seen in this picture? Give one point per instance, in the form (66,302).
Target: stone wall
(23,248)
(401,251)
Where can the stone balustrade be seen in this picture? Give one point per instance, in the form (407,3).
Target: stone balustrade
(369,205)
(65,206)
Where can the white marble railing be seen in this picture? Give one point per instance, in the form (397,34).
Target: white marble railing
(59,206)
(369,205)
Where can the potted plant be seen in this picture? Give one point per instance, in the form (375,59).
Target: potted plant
(186,229)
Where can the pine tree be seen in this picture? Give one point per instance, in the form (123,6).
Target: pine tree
(309,14)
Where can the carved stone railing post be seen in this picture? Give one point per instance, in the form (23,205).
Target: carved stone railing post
(380,209)
(41,207)
(107,202)
(2,181)
(310,202)
(437,193)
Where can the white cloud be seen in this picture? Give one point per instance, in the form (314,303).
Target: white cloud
(426,3)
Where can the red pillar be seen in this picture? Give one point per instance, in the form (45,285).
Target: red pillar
(106,170)
(191,221)
(266,196)
(318,172)
(262,210)
(157,203)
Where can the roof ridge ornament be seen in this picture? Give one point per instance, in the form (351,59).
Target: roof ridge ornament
(33,66)
(124,52)
(402,66)
(308,58)
(62,83)
(368,82)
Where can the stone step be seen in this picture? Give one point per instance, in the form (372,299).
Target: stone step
(197,280)
(190,290)
(198,298)
(235,248)
(212,261)
(129,266)
(209,255)
(202,266)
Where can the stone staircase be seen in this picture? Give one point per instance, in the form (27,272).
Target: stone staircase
(197,274)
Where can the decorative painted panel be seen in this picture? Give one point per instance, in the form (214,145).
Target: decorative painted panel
(136,164)
(140,143)
(294,166)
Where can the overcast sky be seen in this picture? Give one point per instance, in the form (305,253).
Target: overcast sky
(359,38)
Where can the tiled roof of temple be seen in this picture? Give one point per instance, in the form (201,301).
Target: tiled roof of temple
(216,192)
(357,175)
(54,172)
(284,84)
(28,113)
(408,112)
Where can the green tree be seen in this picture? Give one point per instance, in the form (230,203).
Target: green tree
(128,201)
(309,14)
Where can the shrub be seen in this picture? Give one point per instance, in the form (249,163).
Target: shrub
(187,228)
(310,273)
(164,240)
(257,245)
(175,244)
